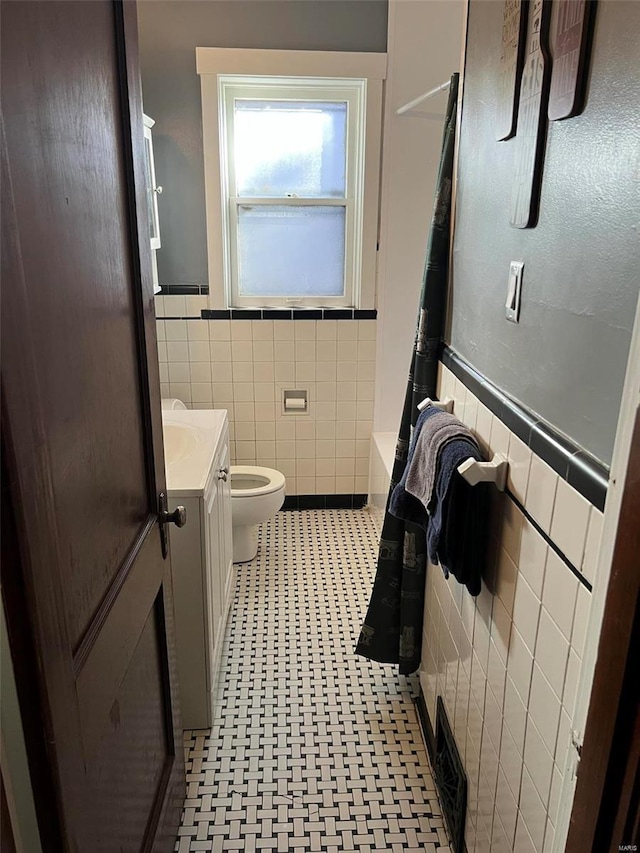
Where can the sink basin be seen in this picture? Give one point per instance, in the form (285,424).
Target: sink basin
(180,441)
(191,441)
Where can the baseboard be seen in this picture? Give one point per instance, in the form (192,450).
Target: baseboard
(427,729)
(297,502)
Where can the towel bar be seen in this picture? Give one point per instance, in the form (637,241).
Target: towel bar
(446,405)
(486,472)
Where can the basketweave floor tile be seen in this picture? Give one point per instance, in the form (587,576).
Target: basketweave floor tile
(313,748)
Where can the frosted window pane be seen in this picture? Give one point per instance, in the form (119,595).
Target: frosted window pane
(290,148)
(291,251)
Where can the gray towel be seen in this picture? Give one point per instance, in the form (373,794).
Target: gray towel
(399,501)
(437,432)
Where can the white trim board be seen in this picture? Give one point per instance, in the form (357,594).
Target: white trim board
(291,63)
(617,480)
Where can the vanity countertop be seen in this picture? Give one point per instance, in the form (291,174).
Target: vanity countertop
(192,438)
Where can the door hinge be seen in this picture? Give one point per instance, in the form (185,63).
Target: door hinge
(576,743)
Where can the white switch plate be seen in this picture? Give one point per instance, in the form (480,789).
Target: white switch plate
(512,306)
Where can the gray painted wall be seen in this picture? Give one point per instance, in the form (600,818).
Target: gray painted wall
(566,359)
(169,32)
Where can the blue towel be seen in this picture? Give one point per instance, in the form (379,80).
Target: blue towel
(457,527)
(447,516)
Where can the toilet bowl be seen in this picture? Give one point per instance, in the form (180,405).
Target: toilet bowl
(256,494)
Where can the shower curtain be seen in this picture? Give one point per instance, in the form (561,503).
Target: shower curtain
(392,629)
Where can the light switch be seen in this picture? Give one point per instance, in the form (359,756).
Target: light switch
(512,306)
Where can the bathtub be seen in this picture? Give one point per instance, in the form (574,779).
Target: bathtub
(383,451)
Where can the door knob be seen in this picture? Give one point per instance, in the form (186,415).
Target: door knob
(177,517)
(223,474)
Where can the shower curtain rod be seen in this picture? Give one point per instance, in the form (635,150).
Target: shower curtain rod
(429,94)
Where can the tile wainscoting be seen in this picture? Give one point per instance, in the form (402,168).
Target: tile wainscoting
(245,365)
(507,662)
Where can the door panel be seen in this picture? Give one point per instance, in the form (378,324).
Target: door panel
(82,429)
(83,374)
(105,665)
(136,735)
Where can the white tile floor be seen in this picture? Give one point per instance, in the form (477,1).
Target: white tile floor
(315,748)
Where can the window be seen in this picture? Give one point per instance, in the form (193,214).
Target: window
(292,184)
(293,153)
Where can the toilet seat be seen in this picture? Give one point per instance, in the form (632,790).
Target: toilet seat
(170,404)
(260,481)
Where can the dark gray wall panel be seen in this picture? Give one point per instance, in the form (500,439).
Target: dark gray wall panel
(169,34)
(566,359)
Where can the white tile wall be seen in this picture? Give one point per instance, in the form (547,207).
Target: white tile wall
(541,492)
(520,664)
(559,593)
(532,811)
(523,842)
(522,640)
(592,548)
(515,714)
(533,556)
(544,708)
(506,811)
(245,365)
(570,522)
(526,612)
(519,457)
(538,760)
(552,651)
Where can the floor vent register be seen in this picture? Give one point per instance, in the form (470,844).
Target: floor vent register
(450,778)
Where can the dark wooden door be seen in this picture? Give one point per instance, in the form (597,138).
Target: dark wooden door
(82,432)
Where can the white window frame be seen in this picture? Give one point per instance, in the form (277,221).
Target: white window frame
(316,90)
(220,69)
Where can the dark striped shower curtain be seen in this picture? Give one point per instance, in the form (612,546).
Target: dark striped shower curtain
(392,630)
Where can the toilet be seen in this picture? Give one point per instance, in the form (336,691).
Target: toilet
(256,494)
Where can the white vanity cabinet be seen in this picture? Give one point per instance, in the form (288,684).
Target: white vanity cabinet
(201,559)
(215,521)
